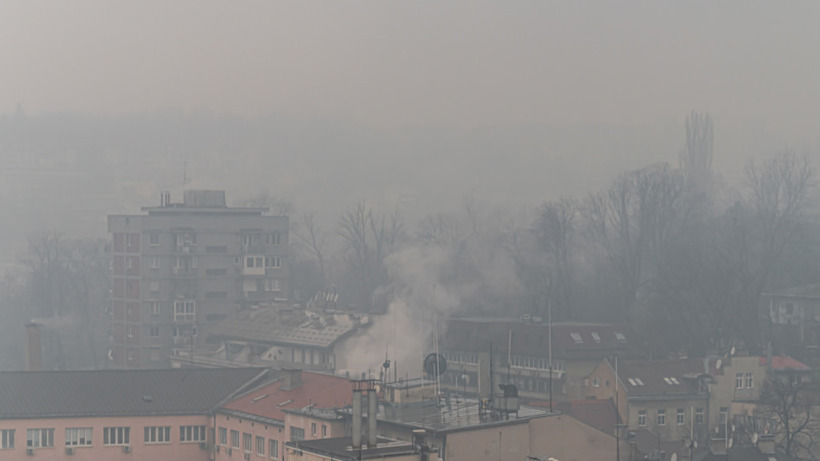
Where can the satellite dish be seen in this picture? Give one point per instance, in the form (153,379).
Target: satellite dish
(718,364)
(755,437)
(435,364)
(674,457)
(732,351)
(695,444)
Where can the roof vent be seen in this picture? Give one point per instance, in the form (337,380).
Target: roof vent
(147,398)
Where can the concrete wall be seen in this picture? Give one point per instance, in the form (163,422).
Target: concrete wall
(568,439)
(225,451)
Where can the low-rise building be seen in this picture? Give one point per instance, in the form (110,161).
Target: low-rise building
(522,348)
(668,398)
(115,414)
(296,406)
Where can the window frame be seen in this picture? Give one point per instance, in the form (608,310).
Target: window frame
(661,417)
(74,439)
(40,437)
(121,436)
(153,435)
(7,439)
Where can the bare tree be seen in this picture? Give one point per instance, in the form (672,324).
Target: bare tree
(369,237)
(555,231)
(312,237)
(789,404)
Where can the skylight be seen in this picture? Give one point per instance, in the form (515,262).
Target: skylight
(632,381)
(576,337)
(620,337)
(638,380)
(256,399)
(675,380)
(284,403)
(596,337)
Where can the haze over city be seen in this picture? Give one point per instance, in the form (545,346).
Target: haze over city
(344,187)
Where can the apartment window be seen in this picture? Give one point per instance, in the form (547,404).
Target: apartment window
(749,381)
(247,439)
(260,445)
(796,379)
(129,239)
(234,438)
(154,332)
(273,448)
(155,308)
(6,439)
(273,285)
(129,263)
(157,434)
(680,416)
(724,411)
(699,415)
(192,434)
(39,438)
(223,436)
(595,382)
(739,381)
(313,429)
(153,238)
(641,418)
(324,430)
(129,331)
(273,261)
(154,262)
(249,262)
(116,435)
(661,417)
(297,433)
(272,239)
(184,310)
(78,437)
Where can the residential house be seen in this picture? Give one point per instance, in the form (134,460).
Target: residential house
(668,398)
(115,414)
(794,321)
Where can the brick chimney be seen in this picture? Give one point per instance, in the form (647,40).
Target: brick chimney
(292,378)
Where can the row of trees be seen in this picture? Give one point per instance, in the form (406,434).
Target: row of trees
(670,249)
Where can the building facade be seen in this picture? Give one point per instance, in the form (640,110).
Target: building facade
(180,268)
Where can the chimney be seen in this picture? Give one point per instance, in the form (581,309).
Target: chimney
(34,347)
(372,409)
(357,418)
(766,444)
(484,385)
(292,378)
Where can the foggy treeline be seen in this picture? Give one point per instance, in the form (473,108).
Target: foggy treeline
(671,248)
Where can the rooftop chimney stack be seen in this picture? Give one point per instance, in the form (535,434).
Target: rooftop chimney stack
(372,409)
(34,347)
(357,418)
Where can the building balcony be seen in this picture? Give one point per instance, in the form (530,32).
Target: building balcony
(185,249)
(185,319)
(182,341)
(183,272)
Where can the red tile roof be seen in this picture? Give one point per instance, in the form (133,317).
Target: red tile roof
(780,363)
(321,390)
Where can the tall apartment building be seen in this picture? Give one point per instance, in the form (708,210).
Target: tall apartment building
(179,268)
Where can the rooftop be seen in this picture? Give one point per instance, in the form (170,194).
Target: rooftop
(661,378)
(452,413)
(50,394)
(273,325)
(802,291)
(340,448)
(569,339)
(781,363)
(271,400)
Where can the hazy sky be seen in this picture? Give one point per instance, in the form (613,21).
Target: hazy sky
(389,63)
